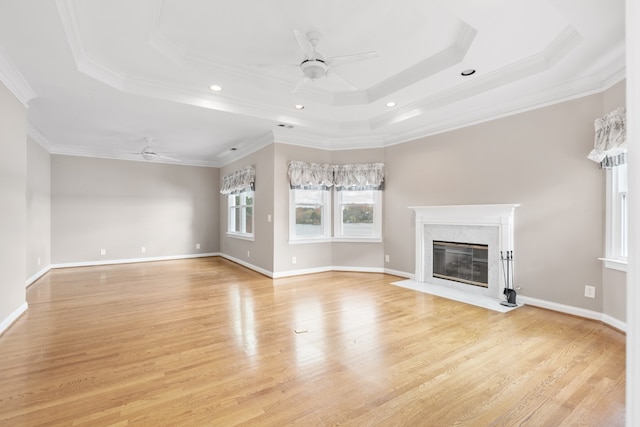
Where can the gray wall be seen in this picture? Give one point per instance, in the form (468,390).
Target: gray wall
(13,171)
(123,205)
(308,255)
(317,256)
(38,210)
(259,252)
(536,158)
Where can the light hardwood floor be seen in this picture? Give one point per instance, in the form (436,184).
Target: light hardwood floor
(207,342)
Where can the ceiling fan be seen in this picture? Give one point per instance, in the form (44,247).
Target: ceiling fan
(149,154)
(315,66)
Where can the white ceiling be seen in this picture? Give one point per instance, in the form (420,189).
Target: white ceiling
(105,75)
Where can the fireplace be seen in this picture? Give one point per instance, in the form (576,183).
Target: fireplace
(461,262)
(486,226)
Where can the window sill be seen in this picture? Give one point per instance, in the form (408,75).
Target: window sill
(357,239)
(310,240)
(614,264)
(241,236)
(337,240)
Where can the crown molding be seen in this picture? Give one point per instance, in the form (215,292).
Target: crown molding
(34,133)
(555,95)
(564,43)
(11,77)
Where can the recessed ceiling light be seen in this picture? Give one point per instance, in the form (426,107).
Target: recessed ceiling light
(215,88)
(468,72)
(299,107)
(390,104)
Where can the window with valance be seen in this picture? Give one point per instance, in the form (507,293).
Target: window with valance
(609,150)
(357,201)
(239,186)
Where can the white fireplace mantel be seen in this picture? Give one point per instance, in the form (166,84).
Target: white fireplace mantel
(498,216)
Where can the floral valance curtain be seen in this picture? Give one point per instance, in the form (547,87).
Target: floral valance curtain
(356,176)
(239,181)
(310,175)
(610,146)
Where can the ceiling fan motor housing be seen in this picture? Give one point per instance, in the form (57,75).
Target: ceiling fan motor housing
(314,68)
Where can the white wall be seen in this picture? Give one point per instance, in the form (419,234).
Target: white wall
(38,205)
(13,171)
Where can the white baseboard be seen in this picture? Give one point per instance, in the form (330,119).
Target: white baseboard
(4,325)
(132,260)
(38,275)
(400,273)
(576,311)
(248,265)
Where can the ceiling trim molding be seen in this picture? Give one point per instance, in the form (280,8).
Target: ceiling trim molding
(307,139)
(11,77)
(85,63)
(454,54)
(34,133)
(244,148)
(66,150)
(564,43)
(551,96)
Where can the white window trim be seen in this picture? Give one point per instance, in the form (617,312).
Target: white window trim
(231,218)
(326,221)
(377,220)
(612,258)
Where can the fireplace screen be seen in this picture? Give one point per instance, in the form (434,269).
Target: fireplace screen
(461,262)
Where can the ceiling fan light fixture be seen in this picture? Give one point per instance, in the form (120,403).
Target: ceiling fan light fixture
(314,68)
(148,155)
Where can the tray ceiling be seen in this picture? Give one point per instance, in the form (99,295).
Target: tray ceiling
(107,75)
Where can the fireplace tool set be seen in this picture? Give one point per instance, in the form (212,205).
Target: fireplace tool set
(507,268)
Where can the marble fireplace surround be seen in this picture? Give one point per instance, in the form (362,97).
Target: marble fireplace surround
(490,225)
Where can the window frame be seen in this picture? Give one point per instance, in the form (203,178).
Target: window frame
(338,231)
(325,205)
(617,216)
(243,206)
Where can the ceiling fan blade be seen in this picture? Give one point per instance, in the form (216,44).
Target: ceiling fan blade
(337,77)
(162,156)
(346,59)
(303,81)
(305,44)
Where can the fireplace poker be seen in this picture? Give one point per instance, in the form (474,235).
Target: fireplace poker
(509,292)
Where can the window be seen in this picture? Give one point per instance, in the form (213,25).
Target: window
(241,214)
(357,214)
(311,216)
(239,186)
(617,217)
(357,202)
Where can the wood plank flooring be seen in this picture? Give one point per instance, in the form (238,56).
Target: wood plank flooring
(206,342)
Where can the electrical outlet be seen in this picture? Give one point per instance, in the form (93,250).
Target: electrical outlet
(294,260)
(197,245)
(248,254)
(386,258)
(38,260)
(269,218)
(589,291)
(103,251)
(143,249)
